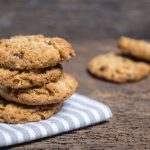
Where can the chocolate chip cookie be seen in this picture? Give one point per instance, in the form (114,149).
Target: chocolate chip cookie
(33,52)
(16,113)
(17,79)
(117,68)
(53,92)
(137,48)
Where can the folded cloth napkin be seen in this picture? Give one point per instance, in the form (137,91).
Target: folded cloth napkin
(77,112)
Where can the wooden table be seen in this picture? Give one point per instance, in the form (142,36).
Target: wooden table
(130,103)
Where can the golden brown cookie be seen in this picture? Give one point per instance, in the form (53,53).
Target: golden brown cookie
(26,79)
(53,92)
(117,68)
(137,48)
(17,113)
(33,52)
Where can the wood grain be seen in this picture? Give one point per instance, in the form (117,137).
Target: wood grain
(75,19)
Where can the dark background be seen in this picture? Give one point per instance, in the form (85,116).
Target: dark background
(76,19)
(93,27)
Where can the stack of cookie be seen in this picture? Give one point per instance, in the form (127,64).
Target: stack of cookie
(126,66)
(33,84)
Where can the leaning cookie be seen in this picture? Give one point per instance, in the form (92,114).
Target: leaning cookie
(117,68)
(53,92)
(33,52)
(16,113)
(26,79)
(137,48)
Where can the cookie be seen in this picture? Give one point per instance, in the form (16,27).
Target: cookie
(137,48)
(16,113)
(26,79)
(117,68)
(53,92)
(33,52)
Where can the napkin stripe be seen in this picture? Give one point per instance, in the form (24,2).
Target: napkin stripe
(7,138)
(2,138)
(55,129)
(82,103)
(90,112)
(47,127)
(80,118)
(38,129)
(69,120)
(103,110)
(35,129)
(16,132)
(11,134)
(78,111)
(73,114)
(72,118)
(42,129)
(63,122)
(29,131)
(59,124)
(23,131)
(75,117)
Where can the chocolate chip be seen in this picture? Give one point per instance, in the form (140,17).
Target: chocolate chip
(103,68)
(16,81)
(19,55)
(48,42)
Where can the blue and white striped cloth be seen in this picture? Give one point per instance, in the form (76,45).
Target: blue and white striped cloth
(78,112)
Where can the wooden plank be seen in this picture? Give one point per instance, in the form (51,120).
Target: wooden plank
(90,19)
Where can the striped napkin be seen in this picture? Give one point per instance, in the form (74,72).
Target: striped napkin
(78,111)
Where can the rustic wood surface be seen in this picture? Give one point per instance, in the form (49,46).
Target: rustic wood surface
(89,24)
(76,19)
(130,103)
